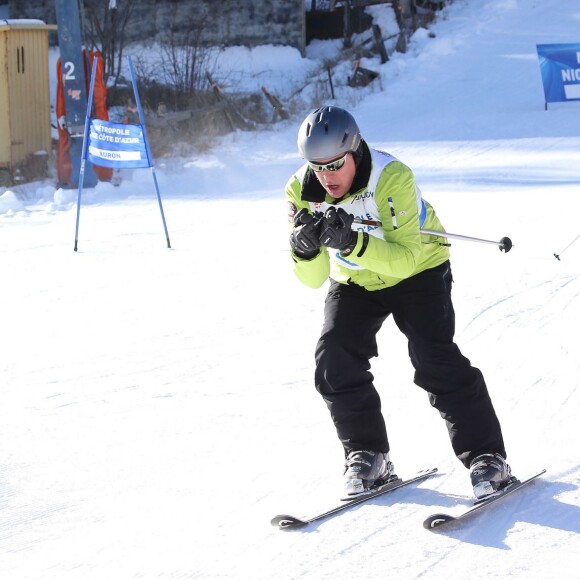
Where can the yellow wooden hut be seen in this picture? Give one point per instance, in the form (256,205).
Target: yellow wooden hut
(24,93)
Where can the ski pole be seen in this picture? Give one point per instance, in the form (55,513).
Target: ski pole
(557,256)
(505,244)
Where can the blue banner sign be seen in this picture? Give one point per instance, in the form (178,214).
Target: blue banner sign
(560,68)
(117,145)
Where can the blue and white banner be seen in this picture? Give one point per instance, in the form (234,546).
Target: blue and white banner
(560,68)
(117,145)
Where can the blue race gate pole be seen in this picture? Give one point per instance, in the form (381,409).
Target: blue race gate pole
(84,150)
(147,149)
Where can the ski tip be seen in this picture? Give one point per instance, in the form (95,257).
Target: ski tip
(285,522)
(436,520)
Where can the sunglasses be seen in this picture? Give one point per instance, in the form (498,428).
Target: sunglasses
(331,166)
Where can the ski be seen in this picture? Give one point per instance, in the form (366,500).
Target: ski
(287,522)
(436,521)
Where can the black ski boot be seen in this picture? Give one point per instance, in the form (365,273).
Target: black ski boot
(365,469)
(489,473)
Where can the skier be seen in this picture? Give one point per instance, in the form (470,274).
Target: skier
(356,215)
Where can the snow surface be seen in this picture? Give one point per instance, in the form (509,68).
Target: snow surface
(157,406)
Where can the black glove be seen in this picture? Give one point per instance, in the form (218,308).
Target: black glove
(305,237)
(336,232)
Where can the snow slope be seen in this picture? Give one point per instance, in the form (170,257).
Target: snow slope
(157,406)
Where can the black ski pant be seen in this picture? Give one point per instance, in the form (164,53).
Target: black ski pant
(422,309)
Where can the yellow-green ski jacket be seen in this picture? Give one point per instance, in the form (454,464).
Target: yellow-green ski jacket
(384,192)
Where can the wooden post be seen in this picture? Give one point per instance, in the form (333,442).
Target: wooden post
(346,20)
(330,82)
(276,104)
(361,77)
(379,43)
(218,93)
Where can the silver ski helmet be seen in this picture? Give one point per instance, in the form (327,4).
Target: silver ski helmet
(326,133)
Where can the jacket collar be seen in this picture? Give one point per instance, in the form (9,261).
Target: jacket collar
(313,191)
